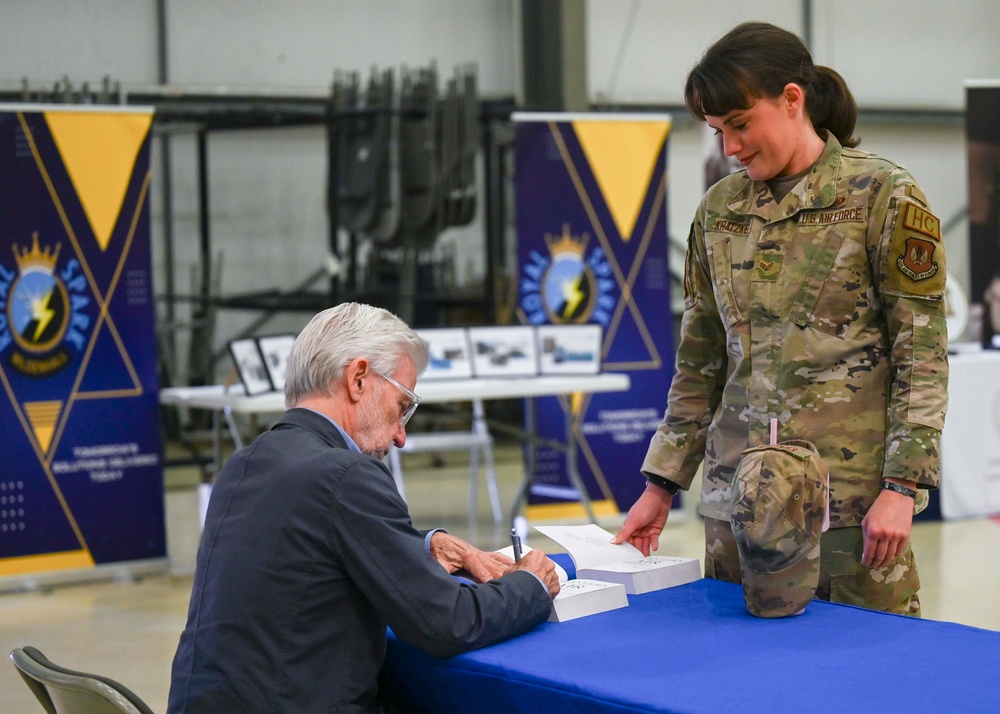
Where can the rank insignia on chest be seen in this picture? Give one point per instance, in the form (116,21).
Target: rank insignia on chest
(767,267)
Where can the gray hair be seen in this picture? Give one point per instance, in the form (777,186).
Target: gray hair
(341,334)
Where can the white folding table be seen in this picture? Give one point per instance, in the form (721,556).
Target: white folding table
(232,400)
(970,442)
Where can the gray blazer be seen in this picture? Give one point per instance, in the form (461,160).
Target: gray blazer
(307,554)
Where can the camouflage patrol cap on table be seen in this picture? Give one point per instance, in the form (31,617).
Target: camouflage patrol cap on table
(779,508)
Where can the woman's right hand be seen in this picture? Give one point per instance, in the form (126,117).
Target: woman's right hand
(645,520)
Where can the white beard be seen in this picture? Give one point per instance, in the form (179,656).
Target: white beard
(369,419)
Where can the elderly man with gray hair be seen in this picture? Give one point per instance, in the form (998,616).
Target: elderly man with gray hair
(308,551)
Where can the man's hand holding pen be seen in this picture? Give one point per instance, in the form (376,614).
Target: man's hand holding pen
(457,555)
(536,562)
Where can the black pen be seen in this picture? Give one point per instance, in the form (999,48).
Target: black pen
(516,542)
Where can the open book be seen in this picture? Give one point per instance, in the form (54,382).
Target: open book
(580,597)
(596,558)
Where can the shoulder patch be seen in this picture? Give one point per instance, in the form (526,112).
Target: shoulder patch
(921,220)
(916,264)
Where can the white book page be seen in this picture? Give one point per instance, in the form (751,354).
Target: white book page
(636,566)
(589,546)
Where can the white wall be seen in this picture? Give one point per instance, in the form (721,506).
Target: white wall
(85,39)
(906,55)
(300,42)
(893,53)
(267,187)
(640,51)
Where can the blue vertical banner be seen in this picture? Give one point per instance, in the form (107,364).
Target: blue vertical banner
(592,248)
(81,477)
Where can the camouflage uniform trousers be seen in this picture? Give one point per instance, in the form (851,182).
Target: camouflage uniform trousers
(842,578)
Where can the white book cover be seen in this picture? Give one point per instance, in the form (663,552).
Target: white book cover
(582,597)
(579,598)
(597,558)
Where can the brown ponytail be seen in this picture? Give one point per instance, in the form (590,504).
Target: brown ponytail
(756,60)
(831,105)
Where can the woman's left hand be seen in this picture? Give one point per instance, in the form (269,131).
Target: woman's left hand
(886,528)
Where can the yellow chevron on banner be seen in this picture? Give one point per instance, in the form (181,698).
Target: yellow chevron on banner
(48,562)
(43,416)
(572,509)
(99,151)
(622,155)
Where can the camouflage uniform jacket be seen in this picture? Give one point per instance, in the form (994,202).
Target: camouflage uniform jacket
(824,311)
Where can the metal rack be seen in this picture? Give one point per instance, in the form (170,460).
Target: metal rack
(398,277)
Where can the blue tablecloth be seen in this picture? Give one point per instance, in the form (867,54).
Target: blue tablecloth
(694,648)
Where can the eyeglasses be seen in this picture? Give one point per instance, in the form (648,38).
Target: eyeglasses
(414,399)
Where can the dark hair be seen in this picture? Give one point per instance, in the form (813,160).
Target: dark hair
(756,60)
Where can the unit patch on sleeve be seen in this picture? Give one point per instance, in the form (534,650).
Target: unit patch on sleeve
(921,220)
(916,254)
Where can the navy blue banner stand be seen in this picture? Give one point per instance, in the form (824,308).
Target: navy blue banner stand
(592,249)
(81,480)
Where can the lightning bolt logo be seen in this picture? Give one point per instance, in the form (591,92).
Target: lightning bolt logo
(37,312)
(572,294)
(41,312)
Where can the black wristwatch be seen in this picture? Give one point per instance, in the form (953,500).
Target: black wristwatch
(668,486)
(890,486)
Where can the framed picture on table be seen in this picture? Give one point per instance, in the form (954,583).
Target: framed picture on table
(275,350)
(250,366)
(570,349)
(450,356)
(504,351)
